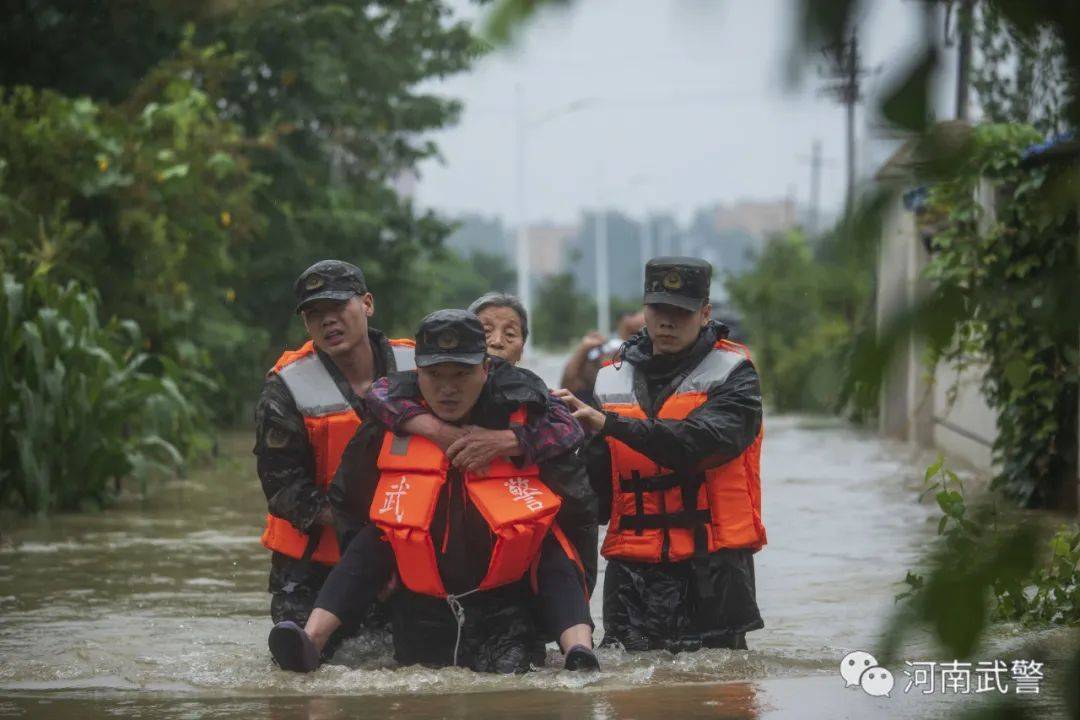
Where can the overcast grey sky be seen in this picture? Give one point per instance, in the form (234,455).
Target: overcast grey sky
(685,107)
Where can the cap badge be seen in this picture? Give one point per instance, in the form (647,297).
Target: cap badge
(313,282)
(447,340)
(673,280)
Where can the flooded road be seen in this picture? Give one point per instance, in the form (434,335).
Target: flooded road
(158,609)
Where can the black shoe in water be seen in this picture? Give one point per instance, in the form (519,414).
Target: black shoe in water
(580,657)
(292,648)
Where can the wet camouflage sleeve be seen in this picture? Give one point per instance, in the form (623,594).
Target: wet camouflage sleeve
(597,458)
(718,431)
(284,460)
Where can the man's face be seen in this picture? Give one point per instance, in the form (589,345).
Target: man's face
(452,389)
(337,327)
(674,329)
(502,328)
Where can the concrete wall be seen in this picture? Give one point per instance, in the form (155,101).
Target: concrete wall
(915,402)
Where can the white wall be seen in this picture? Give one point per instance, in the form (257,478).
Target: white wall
(915,402)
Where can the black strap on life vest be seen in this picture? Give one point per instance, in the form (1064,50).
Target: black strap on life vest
(687,518)
(705,591)
(683,519)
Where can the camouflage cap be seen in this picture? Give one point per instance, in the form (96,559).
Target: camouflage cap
(329,280)
(680,281)
(450,336)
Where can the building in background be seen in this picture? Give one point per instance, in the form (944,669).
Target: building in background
(728,235)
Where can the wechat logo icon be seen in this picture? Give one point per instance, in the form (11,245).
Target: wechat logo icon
(861,669)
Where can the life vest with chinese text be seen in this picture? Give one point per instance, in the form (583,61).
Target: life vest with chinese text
(517,507)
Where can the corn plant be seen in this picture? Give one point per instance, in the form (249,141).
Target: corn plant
(79,409)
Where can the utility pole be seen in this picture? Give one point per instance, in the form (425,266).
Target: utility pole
(965,21)
(816,162)
(845,73)
(523,269)
(646,245)
(603,294)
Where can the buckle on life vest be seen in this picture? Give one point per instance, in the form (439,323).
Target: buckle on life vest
(654,483)
(684,519)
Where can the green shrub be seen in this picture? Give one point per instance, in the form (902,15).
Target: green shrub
(79,409)
(980,560)
(799,314)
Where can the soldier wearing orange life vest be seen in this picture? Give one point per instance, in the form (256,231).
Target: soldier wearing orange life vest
(474,550)
(675,461)
(306,415)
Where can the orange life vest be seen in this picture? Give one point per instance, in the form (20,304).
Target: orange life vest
(518,508)
(330,422)
(658,515)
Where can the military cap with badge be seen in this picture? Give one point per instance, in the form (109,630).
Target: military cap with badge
(680,281)
(450,336)
(329,280)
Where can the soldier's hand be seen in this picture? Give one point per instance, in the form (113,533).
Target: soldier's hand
(589,417)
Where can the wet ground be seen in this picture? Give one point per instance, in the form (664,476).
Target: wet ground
(158,609)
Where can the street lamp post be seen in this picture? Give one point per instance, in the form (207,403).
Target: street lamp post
(522,126)
(603,293)
(523,265)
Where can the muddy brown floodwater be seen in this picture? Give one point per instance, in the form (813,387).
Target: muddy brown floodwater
(158,609)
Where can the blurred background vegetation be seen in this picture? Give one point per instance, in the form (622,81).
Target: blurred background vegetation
(166,170)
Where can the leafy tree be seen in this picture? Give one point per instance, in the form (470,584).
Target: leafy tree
(100,48)
(328,93)
(262,139)
(562,313)
(151,201)
(798,313)
(458,280)
(1019,78)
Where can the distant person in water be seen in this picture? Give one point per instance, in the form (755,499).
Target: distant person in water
(594,350)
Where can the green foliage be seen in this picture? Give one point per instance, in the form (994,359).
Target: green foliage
(1013,273)
(1019,78)
(799,312)
(100,49)
(1055,586)
(327,93)
(78,407)
(150,202)
(203,154)
(458,280)
(987,567)
(562,313)
(507,16)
